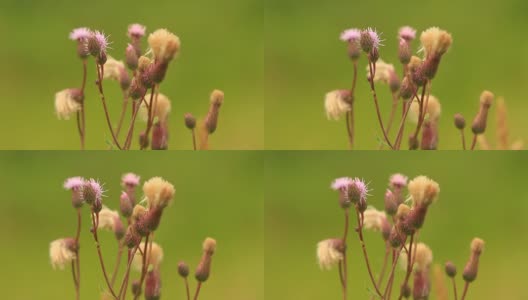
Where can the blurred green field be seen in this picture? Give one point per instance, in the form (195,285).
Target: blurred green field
(482,194)
(217,194)
(305,59)
(222,48)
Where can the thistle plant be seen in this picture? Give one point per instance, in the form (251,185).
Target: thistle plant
(400,224)
(140,78)
(411,90)
(136,238)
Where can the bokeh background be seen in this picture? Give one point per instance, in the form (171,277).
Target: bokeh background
(482,195)
(305,59)
(217,195)
(222,48)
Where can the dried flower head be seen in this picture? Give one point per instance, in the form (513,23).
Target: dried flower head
(74,183)
(423,190)
(67,102)
(164,45)
(211,119)
(136,31)
(350,35)
(398,181)
(433,111)
(162,107)
(435,41)
(337,103)
(477,245)
(159,192)
(62,252)
(407,33)
(79,34)
(330,253)
(373,219)
(154,256)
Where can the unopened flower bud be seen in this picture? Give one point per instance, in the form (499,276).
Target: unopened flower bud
(404,52)
(204,267)
(450,269)
(125,205)
(119,229)
(396,239)
(101,58)
(413,142)
(407,88)
(460,122)
(211,120)
(137,90)
(153,285)
(479,123)
(391,206)
(160,136)
(152,218)
(422,285)
(131,58)
(136,288)
(82,49)
(405,291)
(386,228)
(354,50)
(190,121)
(132,238)
(159,69)
(430,66)
(183,269)
(429,136)
(143,140)
(471,268)
(124,80)
(374,55)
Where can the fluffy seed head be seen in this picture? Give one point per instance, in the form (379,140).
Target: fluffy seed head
(164,44)
(113,69)
(330,253)
(337,103)
(433,110)
(162,107)
(159,192)
(136,31)
(154,256)
(350,35)
(407,33)
(373,219)
(209,246)
(423,190)
(422,254)
(384,71)
(486,98)
(477,245)
(67,103)
(81,33)
(108,219)
(143,63)
(138,212)
(62,252)
(435,41)
(398,181)
(402,212)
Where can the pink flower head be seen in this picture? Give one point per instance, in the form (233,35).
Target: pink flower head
(92,191)
(361,187)
(136,30)
(81,33)
(341,183)
(407,33)
(398,180)
(350,35)
(102,40)
(74,183)
(375,37)
(130,179)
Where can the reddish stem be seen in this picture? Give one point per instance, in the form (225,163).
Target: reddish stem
(107,115)
(99,253)
(187,289)
(373,89)
(364,248)
(144,268)
(466,287)
(198,287)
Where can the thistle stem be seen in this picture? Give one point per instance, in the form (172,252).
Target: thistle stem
(194,139)
(107,115)
(365,254)
(345,267)
(144,268)
(454,288)
(463,139)
(409,266)
(374,95)
(388,288)
(474,143)
(124,283)
(350,114)
(466,287)
(198,287)
(151,111)
(118,263)
(122,116)
(384,265)
(424,102)
(187,289)
(99,253)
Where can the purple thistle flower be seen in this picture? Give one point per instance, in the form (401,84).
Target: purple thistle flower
(361,187)
(92,191)
(398,180)
(74,183)
(136,30)
(349,35)
(341,183)
(102,40)
(81,33)
(407,33)
(130,179)
(375,37)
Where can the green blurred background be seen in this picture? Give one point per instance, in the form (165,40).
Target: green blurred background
(222,48)
(482,195)
(305,59)
(217,194)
